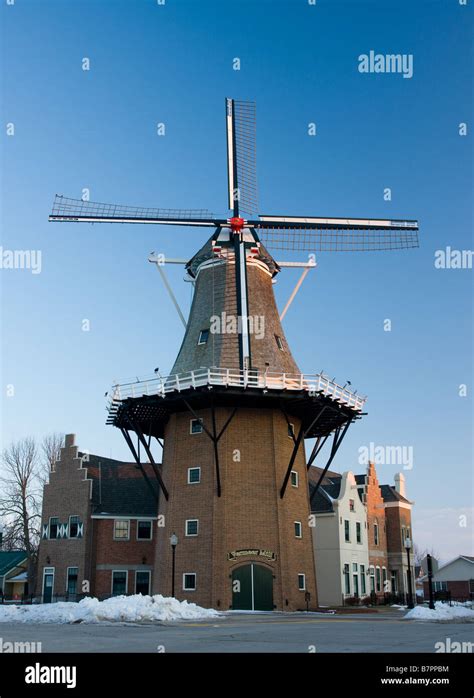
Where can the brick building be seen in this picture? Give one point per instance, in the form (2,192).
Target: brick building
(98,528)
(102,534)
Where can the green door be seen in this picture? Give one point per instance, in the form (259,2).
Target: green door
(262,588)
(252,588)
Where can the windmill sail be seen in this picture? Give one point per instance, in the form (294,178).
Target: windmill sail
(241,157)
(70,210)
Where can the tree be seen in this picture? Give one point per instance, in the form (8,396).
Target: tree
(20,498)
(50,453)
(420,554)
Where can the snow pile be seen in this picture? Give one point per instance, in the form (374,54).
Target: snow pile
(442,612)
(131,609)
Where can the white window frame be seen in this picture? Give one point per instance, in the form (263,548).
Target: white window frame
(195,581)
(48,570)
(279,342)
(291,428)
(191,535)
(112,581)
(378,578)
(73,567)
(144,520)
(69,526)
(294,472)
(199,343)
(121,539)
(194,467)
(301,529)
(302,574)
(148,572)
(195,433)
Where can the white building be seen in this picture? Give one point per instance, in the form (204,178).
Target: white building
(340,539)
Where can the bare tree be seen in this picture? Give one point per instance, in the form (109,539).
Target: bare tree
(50,453)
(420,554)
(20,498)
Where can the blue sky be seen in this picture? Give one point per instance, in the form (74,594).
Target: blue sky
(96,129)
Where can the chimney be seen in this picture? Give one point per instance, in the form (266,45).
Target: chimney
(70,440)
(400,484)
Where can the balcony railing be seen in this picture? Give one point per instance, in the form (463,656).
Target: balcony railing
(313,384)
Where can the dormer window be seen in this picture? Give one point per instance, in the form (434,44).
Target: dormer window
(203,337)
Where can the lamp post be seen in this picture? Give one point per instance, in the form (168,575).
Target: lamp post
(1,535)
(410,603)
(173,543)
(430,581)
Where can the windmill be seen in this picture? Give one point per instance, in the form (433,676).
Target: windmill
(233,413)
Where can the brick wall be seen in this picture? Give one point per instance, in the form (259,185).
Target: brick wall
(68,493)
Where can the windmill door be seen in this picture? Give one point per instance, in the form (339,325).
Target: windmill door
(252,588)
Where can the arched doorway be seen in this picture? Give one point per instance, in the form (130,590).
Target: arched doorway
(252,588)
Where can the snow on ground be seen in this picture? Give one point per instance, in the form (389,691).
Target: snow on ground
(119,608)
(442,612)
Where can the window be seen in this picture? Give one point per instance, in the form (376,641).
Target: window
(144,530)
(351,505)
(385,580)
(119,582)
(291,430)
(194,476)
(74,522)
(347,531)
(347,579)
(298,532)
(71,585)
(195,426)
(404,536)
(358,532)
(203,337)
(471,586)
(121,529)
(440,586)
(279,342)
(376,534)
(394,581)
(53,527)
(142,583)
(372,579)
(355,581)
(189,581)
(294,478)
(363,588)
(192,526)
(301,582)
(377,578)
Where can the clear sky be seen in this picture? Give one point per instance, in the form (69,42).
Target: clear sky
(173,63)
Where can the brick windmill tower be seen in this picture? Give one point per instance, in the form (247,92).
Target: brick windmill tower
(234,412)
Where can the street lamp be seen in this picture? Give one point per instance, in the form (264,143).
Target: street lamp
(1,535)
(410,603)
(173,543)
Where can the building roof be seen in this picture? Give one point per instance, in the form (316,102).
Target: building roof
(22,577)
(390,494)
(120,489)
(9,559)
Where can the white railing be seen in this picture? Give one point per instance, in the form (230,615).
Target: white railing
(235,378)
